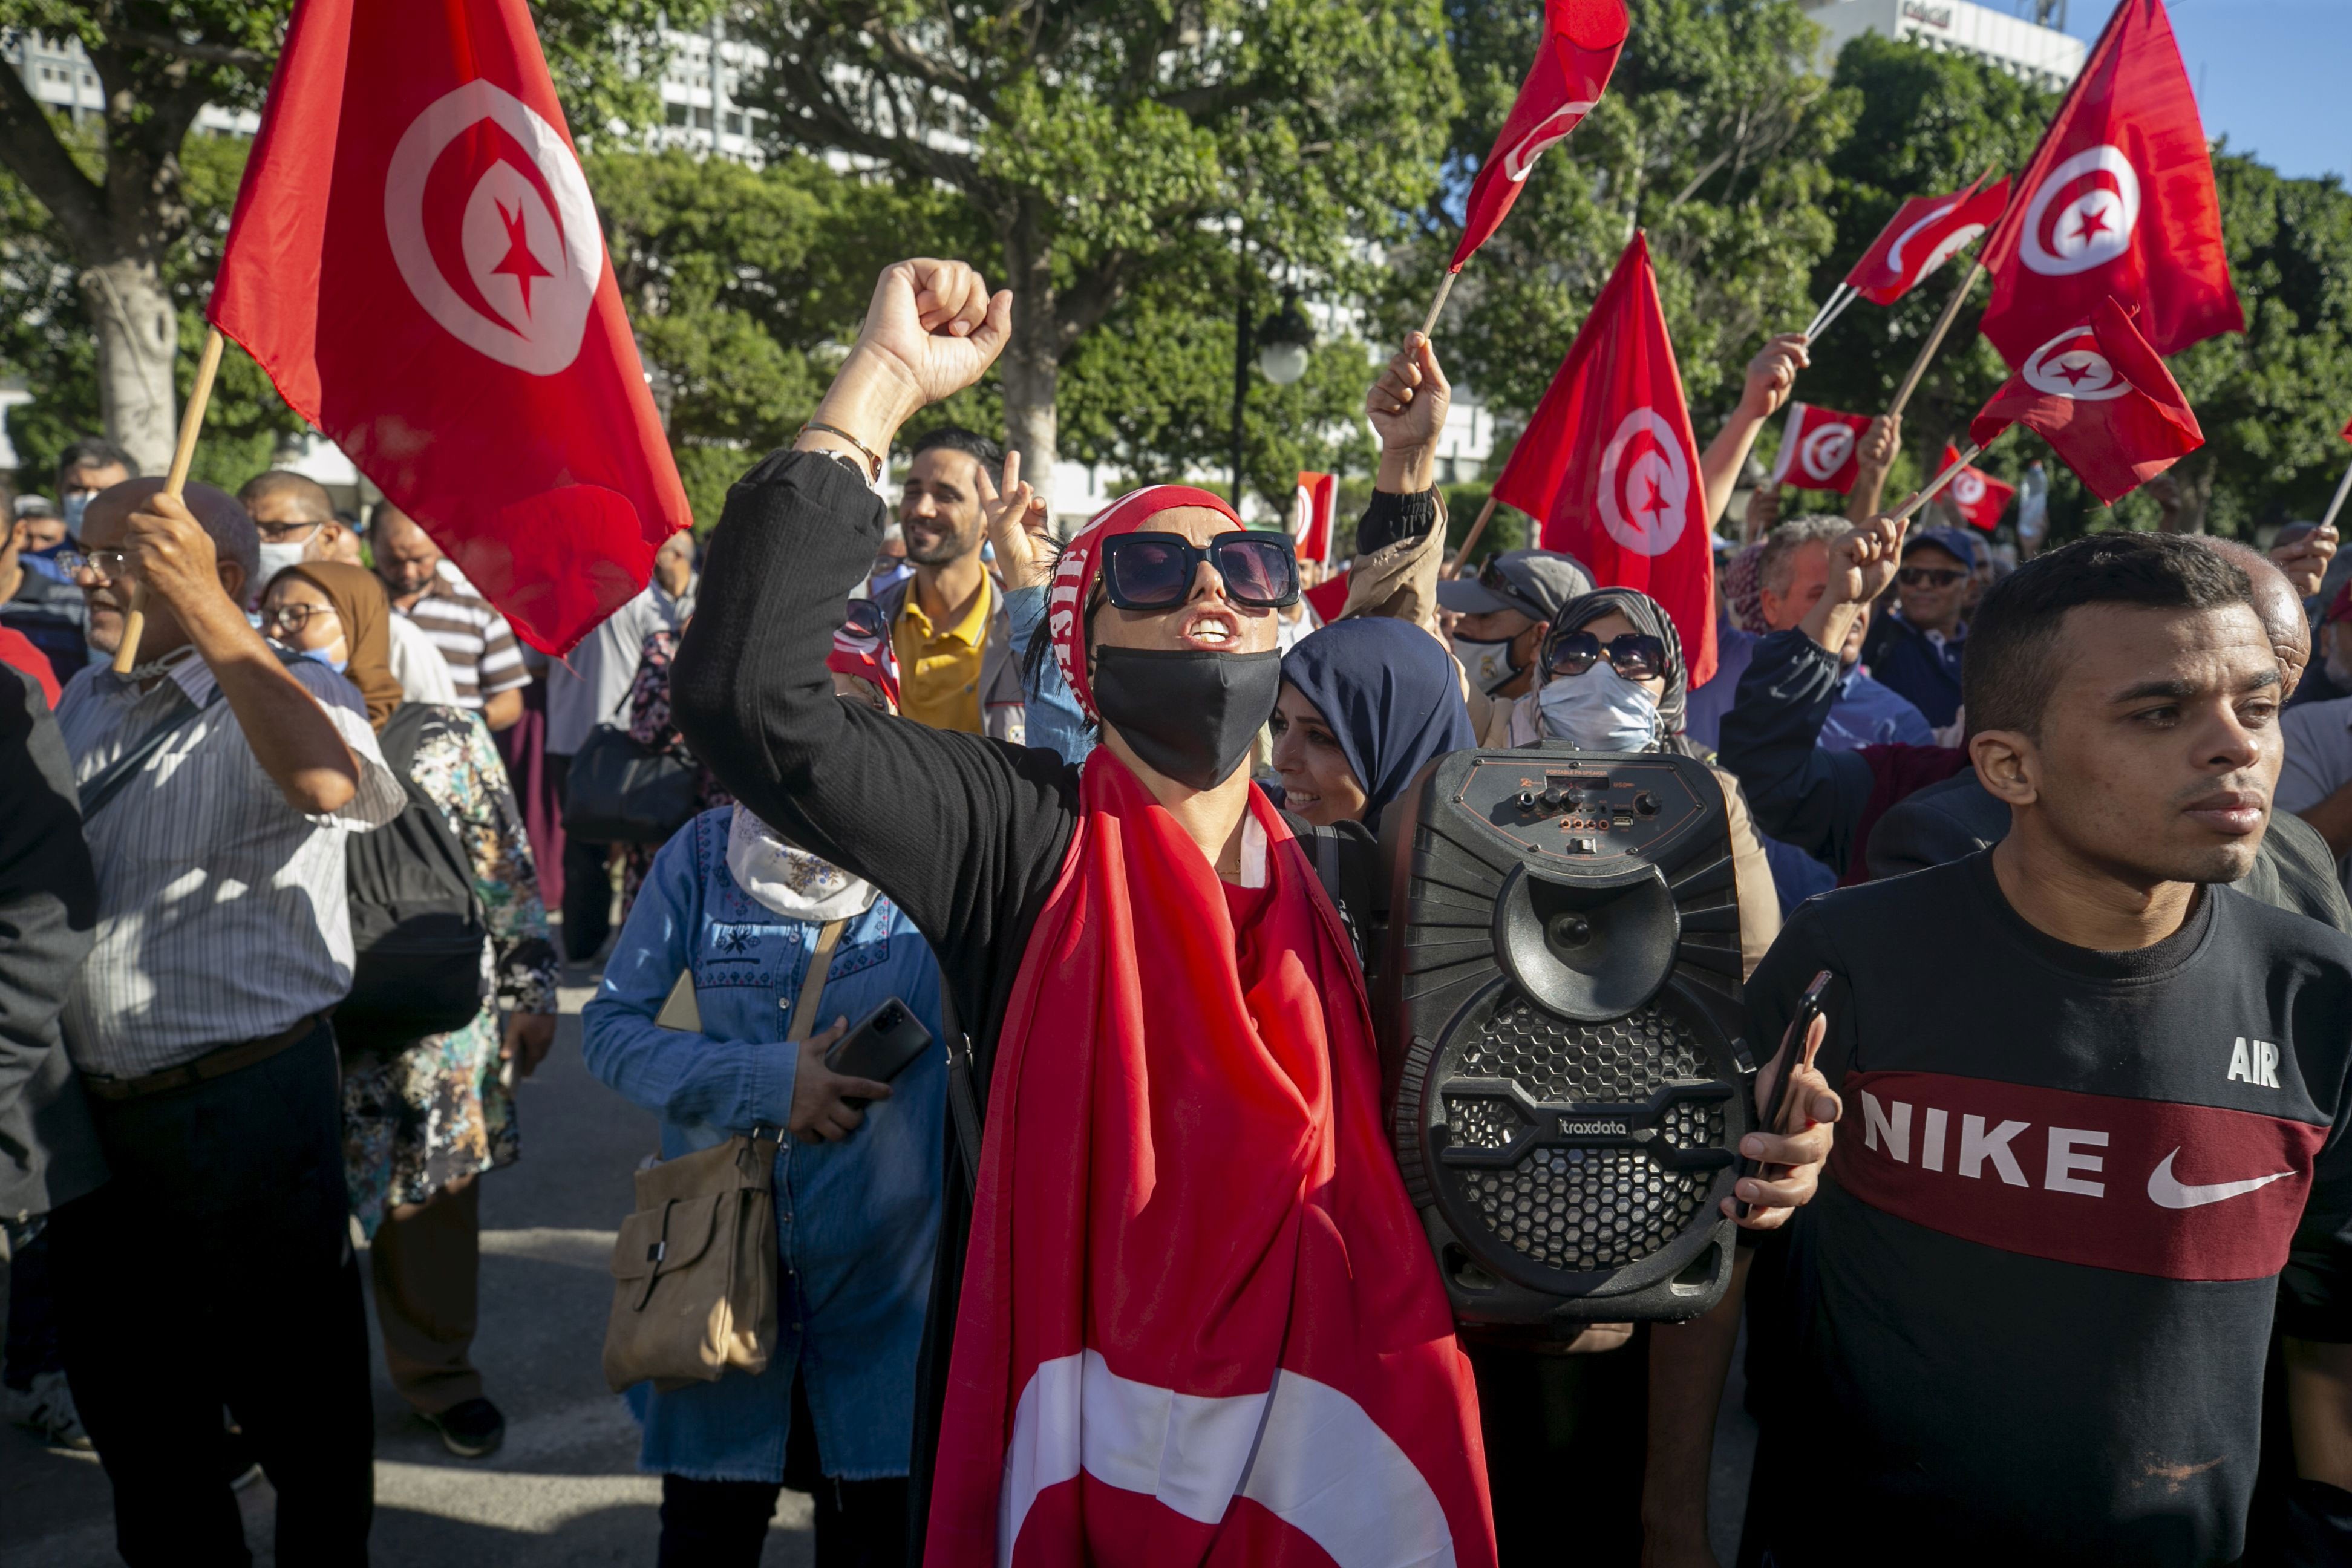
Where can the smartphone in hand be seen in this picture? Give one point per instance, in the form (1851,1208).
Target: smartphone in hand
(1796,1051)
(880,1046)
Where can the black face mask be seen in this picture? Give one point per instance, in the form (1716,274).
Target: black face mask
(1190,715)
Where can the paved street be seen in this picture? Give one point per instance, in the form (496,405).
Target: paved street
(564,1492)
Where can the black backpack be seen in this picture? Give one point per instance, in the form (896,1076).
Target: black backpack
(416,928)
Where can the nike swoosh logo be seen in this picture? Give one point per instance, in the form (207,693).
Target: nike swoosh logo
(2165,1192)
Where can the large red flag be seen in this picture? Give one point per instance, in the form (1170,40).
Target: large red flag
(1924,233)
(1581,39)
(1817,448)
(415,260)
(1611,466)
(1979,497)
(2104,401)
(2118,202)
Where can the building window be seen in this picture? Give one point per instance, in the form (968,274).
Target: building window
(735,123)
(702,119)
(677,113)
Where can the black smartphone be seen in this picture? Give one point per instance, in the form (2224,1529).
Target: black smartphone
(880,1046)
(1791,1057)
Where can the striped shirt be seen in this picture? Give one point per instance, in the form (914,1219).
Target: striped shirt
(474,641)
(222,914)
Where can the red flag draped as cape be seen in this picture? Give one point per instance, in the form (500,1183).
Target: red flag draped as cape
(415,260)
(1924,234)
(2118,202)
(1199,1322)
(2104,401)
(1609,465)
(1579,47)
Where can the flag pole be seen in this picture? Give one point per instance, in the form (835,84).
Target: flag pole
(1829,319)
(1830,306)
(1935,485)
(2342,486)
(1437,306)
(1935,339)
(134,617)
(1479,527)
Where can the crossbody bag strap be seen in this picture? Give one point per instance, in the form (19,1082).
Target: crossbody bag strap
(963,1105)
(803,1020)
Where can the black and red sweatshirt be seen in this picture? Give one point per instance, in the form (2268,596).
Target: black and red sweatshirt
(2025,1319)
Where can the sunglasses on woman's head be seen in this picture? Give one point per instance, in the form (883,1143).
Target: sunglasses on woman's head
(1634,655)
(1155,571)
(1929,576)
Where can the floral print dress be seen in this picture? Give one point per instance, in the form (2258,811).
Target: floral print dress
(432,1113)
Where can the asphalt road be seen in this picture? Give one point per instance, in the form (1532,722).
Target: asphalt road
(564,1492)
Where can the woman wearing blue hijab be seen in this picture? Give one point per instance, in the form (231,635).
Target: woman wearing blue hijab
(1365,705)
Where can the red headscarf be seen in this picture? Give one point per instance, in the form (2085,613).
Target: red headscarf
(1200,1323)
(1074,577)
(862,648)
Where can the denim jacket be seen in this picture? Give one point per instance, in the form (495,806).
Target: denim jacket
(856,1221)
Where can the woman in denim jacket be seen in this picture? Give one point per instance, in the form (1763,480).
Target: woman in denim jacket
(857,1196)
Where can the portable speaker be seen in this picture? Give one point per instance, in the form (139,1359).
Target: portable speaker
(1559,1012)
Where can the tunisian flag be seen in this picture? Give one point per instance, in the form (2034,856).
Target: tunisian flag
(1581,43)
(415,259)
(2118,202)
(2103,400)
(1201,1322)
(1311,515)
(1924,233)
(1609,463)
(1817,448)
(1978,496)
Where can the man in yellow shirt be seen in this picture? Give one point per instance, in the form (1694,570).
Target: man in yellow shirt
(956,664)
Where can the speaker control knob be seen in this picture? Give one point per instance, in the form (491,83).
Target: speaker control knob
(1551,800)
(1646,804)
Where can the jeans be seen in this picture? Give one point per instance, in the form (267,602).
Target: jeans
(216,1269)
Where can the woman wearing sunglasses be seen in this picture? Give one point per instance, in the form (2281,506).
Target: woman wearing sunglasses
(1183,1188)
(1612,679)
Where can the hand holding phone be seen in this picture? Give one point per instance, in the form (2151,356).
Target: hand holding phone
(1800,1043)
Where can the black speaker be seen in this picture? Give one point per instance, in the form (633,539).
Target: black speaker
(1558,1010)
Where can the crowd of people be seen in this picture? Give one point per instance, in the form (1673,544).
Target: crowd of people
(2048,1258)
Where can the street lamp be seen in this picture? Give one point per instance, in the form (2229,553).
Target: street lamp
(1284,342)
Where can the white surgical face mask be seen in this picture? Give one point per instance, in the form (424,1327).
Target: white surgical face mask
(275,558)
(1600,710)
(1488,664)
(793,882)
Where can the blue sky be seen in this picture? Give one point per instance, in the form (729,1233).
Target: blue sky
(2270,74)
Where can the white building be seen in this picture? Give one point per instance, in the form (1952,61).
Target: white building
(2043,56)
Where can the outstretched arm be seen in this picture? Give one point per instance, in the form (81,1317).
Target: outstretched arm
(1772,376)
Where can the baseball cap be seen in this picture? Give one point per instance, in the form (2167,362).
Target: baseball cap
(1539,584)
(1950,541)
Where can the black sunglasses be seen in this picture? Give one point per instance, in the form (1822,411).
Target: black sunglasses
(1634,655)
(1155,571)
(1929,576)
(865,617)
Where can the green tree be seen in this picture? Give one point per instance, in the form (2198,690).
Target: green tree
(1712,137)
(119,199)
(1105,145)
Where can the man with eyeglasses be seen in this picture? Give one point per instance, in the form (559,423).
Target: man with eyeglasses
(1504,612)
(217,784)
(1916,648)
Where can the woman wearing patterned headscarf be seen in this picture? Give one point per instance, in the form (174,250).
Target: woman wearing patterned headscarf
(423,1118)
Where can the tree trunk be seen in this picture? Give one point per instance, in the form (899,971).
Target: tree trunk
(1033,360)
(138,339)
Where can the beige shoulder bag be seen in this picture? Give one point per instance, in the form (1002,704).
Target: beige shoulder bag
(694,1271)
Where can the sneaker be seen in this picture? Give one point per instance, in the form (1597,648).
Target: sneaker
(472,1430)
(47,1410)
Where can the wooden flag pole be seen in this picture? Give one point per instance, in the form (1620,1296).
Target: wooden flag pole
(1437,306)
(1471,538)
(1935,485)
(2342,486)
(1934,339)
(134,617)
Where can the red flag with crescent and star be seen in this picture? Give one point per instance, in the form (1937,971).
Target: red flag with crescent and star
(2104,401)
(1317,500)
(1975,494)
(1818,447)
(1581,43)
(1609,464)
(2118,203)
(1924,233)
(416,261)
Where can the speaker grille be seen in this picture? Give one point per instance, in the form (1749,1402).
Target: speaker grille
(1582,1209)
(1585,1064)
